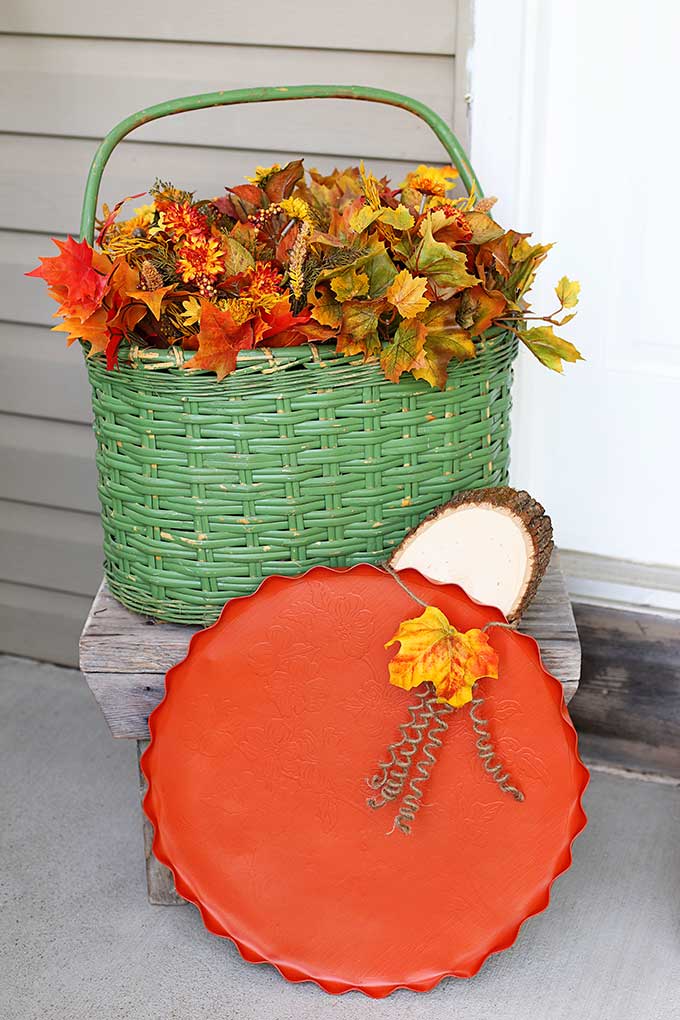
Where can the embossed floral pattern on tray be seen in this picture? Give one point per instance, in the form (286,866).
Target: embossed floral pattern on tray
(257,790)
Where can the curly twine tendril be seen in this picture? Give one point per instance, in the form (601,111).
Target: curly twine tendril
(392,572)
(487,752)
(426,719)
(391,775)
(412,802)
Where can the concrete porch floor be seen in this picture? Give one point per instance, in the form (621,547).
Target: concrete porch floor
(79,940)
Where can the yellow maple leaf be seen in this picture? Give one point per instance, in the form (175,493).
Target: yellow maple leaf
(406,293)
(568,292)
(433,651)
(349,284)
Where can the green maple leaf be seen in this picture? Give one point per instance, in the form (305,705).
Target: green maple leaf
(359,329)
(550,350)
(443,265)
(404,352)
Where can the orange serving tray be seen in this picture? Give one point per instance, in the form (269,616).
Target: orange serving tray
(257,792)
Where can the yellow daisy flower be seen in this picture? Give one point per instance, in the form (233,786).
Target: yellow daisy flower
(296,208)
(191,315)
(262,173)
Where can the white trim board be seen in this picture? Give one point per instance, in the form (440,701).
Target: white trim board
(623,584)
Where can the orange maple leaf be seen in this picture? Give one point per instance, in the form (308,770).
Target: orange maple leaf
(153,299)
(94,330)
(433,651)
(219,341)
(77,277)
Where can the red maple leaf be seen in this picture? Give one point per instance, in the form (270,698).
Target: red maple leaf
(77,277)
(219,341)
(278,320)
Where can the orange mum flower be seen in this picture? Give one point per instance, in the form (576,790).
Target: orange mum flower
(182,218)
(264,286)
(457,217)
(199,257)
(431,180)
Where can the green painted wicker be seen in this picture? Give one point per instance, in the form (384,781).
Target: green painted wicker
(300,457)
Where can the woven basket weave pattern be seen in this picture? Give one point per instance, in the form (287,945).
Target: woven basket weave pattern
(295,459)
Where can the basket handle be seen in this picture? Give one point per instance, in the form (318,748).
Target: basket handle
(269,94)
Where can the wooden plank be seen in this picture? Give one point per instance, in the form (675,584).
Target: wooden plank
(628,699)
(50,548)
(617,754)
(358,26)
(41,376)
(42,177)
(160,885)
(47,462)
(93,83)
(41,624)
(125,656)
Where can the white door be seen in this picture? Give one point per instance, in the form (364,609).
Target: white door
(574,127)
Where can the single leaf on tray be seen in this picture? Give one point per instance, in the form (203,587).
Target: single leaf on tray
(433,651)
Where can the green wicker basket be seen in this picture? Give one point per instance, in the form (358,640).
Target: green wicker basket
(300,457)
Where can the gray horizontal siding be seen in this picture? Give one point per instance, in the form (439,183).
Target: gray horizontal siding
(40,376)
(43,546)
(48,462)
(355,25)
(40,623)
(23,299)
(68,73)
(42,177)
(81,88)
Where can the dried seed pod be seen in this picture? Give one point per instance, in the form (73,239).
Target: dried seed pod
(495,543)
(151,278)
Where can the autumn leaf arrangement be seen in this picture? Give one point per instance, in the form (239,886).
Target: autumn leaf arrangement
(442,665)
(409,277)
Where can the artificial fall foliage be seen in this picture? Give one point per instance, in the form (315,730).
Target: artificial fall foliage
(433,651)
(406,276)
